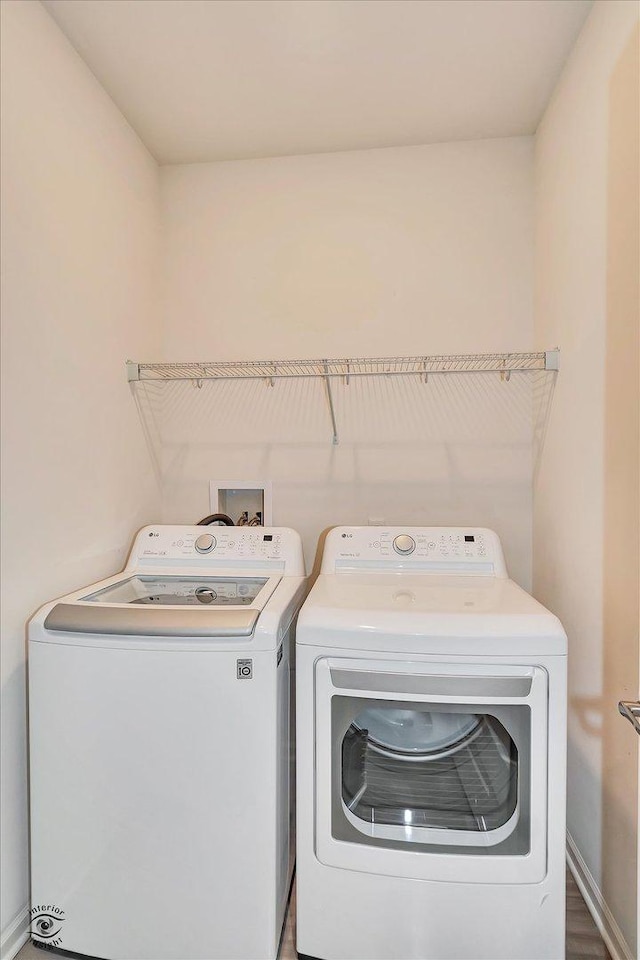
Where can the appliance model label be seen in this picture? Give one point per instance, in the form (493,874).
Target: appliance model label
(244,669)
(46,925)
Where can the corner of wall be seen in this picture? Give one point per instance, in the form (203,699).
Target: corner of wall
(16,934)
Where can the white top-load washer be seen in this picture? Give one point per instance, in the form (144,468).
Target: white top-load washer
(431,725)
(160,700)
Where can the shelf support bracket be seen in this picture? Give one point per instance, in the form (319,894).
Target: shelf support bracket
(552,359)
(327,383)
(133,371)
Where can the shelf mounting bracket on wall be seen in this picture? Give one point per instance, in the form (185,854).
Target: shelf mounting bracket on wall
(332,413)
(421,367)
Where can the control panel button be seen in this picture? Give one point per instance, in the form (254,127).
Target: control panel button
(205,543)
(404,544)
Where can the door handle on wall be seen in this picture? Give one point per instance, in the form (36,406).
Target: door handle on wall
(631,711)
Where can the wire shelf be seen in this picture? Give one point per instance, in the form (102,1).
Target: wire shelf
(270,370)
(326,370)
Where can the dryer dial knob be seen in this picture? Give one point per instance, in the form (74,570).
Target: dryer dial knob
(404,544)
(205,543)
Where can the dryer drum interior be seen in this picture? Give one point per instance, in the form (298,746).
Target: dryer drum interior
(455,771)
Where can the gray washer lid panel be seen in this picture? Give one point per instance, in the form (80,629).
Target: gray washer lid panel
(151,622)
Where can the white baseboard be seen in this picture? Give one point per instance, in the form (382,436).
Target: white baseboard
(15,936)
(602,916)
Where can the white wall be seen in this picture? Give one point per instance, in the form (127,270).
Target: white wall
(80,211)
(586,498)
(415,250)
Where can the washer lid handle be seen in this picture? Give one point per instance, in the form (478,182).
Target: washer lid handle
(144,621)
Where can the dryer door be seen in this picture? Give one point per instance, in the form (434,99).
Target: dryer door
(440,760)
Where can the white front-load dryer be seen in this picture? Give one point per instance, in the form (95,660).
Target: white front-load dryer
(160,700)
(431,725)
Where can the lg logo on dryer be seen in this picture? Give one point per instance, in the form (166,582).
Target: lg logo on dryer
(46,925)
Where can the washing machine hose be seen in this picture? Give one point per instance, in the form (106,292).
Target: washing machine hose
(220,518)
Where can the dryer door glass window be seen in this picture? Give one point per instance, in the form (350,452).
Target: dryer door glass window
(429,769)
(442,777)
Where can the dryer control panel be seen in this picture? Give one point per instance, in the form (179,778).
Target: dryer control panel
(171,545)
(469,551)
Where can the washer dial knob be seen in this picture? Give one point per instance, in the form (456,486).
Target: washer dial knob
(404,544)
(205,543)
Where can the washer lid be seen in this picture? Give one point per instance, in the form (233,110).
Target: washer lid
(180,591)
(145,621)
(169,606)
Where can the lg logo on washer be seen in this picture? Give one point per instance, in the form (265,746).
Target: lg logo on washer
(244,669)
(46,925)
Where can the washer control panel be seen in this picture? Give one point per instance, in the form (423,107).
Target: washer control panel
(219,546)
(448,550)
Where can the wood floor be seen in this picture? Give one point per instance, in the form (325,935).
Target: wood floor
(583,940)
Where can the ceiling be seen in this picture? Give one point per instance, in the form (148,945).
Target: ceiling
(228,79)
